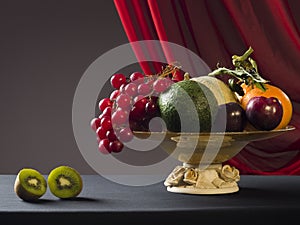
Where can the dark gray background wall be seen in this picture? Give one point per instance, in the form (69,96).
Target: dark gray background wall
(45,47)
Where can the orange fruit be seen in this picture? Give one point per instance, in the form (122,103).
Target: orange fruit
(272,91)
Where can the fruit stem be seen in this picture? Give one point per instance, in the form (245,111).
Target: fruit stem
(245,70)
(238,59)
(245,61)
(186,76)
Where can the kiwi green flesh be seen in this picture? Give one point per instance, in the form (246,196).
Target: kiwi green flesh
(30,184)
(65,182)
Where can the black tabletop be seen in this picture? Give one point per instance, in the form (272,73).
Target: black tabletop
(260,200)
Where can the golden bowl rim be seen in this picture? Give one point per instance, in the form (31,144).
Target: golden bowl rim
(245,132)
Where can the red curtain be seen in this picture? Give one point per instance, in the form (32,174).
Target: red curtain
(216,30)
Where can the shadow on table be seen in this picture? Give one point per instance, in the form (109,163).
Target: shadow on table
(82,199)
(43,201)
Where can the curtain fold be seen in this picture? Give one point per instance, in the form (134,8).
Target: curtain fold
(215,30)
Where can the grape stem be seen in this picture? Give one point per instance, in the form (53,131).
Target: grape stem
(169,69)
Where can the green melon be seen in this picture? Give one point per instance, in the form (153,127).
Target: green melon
(188,106)
(221,91)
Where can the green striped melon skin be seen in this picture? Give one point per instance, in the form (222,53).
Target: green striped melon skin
(188,106)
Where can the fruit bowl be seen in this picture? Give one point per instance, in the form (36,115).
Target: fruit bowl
(203,155)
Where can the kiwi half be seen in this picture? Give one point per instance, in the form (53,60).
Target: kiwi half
(30,184)
(65,182)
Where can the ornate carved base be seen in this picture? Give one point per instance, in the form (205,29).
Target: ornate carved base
(214,179)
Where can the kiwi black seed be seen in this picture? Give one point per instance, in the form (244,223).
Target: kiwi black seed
(65,182)
(30,184)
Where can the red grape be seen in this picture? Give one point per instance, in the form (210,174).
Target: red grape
(101,133)
(116,146)
(150,82)
(144,89)
(151,108)
(104,146)
(105,102)
(107,112)
(131,89)
(177,76)
(114,95)
(101,116)
(117,80)
(125,134)
(123,101)
(119,117)
(160,85)
(106,123)
(111,136)
(138,98)
(138,110)
(136,114)
(137,77)
(122,88)
(168,82)
(134,125)
(141,103)
(95,123)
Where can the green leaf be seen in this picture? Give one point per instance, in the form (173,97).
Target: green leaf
(261,86)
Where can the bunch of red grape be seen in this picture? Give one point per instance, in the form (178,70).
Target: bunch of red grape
(130,107)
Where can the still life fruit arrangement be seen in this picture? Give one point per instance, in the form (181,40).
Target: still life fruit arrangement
(249,101)
(244,101)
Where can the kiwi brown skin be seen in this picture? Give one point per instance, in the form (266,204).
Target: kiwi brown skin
(23,193)
(65,182)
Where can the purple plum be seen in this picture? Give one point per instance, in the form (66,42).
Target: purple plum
(264,113)
(230,118)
